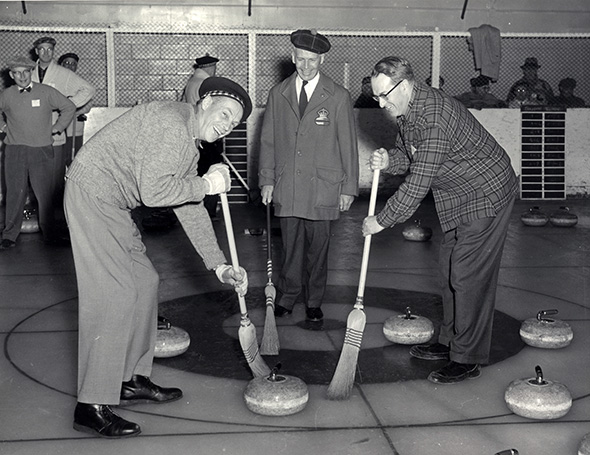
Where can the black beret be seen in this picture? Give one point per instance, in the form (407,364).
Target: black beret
(480,81)
(20,61)
(221,86)
(68,55)
(310,40)
(206,60)
(45,39)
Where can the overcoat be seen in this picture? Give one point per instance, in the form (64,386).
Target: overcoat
(313,160)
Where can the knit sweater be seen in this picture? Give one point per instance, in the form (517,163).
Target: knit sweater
(148,156)
(29,114)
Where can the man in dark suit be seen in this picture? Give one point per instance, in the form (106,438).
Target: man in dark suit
(308,169)
(445,149)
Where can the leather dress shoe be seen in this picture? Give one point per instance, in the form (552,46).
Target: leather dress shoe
(140,390)
(314,314)
(434,351)
(281,311)
(455,372)
(100,420)
(6,244)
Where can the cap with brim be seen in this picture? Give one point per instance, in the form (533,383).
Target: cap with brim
(205,61)
(45,39)
(221,86)
(480,81)
(531,62)
(310,40)
(20,62)
(68,55)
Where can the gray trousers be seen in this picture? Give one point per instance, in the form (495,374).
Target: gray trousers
(117,296)
(24,164)
(470,258)
(305,261)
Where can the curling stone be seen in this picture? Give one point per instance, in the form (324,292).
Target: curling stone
(417,233)
(537,398)
(541,332)
(276,395)
(534,217)
(170,340)
(563,218)
(408,328)
(30,223)
(584,448)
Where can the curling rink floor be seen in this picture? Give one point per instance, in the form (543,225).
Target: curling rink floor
(392,409)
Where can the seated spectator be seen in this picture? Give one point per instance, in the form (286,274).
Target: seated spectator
(479,96)
(566,96)
(522,97)
(365,99)
(539,89)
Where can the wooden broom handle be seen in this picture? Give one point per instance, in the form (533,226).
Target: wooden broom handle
(232,244)
(367,247)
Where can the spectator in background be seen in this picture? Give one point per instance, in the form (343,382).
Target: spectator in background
(522,97)
(566,96)
(29,154)
(365,99)
(540,90)
(72,86)
(479,96)
(75,130)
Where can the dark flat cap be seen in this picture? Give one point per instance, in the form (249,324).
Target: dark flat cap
(68,55)
(568,82)
(20,61)
(206,60)
(479,81)
(45,39)
(310,40)
(220,86)
(531,62)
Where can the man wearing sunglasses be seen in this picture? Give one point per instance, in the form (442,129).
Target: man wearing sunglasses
(443,148)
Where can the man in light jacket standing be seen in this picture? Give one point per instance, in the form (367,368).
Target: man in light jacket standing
(308,169)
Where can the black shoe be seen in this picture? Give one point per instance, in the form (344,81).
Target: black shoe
(141,390)
(455,372)
(281,311)
(99,419)
(5,244)
(314,314)
(434,351)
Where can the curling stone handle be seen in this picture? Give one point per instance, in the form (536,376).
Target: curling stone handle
(543,313)
(408,313)
(507,452)
(539,373)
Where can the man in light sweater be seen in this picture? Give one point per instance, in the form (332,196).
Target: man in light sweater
(29,154)
(147,155)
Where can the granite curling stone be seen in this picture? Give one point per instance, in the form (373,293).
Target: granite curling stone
(563,218)
(534,217)
(30,223)
(537,398)
(276,395)
(584,448)
(408,328)
(542,332)
(416,232)
(171,342)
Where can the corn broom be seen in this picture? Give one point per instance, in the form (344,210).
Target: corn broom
(270,344)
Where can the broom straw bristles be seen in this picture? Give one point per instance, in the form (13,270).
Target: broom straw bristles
(343,380)
(249,344)
(270,344)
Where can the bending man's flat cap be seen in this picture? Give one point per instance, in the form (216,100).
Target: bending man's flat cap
(310,40)
(206,60)
(221,86)
(20,61)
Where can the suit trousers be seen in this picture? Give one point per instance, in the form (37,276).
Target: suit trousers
(470,257)
(24,164)
(117,296)
(305,261)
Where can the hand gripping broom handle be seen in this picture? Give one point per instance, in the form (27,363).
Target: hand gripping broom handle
(232,244)
(367,247)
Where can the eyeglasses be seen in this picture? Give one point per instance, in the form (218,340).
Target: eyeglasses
(384,96)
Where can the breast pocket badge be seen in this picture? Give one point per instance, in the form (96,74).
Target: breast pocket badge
(322,118)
